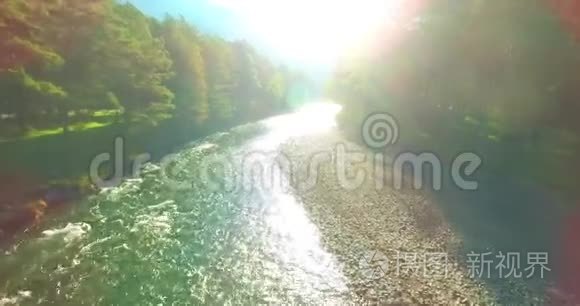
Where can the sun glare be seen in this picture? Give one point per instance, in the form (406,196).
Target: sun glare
(312,31)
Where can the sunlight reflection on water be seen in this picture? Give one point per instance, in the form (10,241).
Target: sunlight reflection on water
(311,119)
(295,239)
(147,244)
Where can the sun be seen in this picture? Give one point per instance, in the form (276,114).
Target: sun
(312,31)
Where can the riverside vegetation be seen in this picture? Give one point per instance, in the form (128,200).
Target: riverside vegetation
(76,74)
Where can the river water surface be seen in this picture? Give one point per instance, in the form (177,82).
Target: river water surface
(147,242)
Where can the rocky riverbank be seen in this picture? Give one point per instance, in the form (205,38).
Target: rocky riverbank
(24,203)
(395,246)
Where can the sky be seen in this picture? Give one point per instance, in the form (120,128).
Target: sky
(308,34)
(207,15)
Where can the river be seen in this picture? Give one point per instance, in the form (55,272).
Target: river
(150,242)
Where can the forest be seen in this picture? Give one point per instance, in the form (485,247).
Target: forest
(498,78)
(75,75)
(145,161)
(72,65)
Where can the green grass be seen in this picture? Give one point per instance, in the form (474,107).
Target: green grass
(42,133)
(81,126)
(49,155)
(98,119)
(106,113)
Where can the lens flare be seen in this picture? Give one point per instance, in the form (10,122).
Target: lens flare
(312,32)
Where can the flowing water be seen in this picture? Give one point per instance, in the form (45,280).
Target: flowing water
(151,241)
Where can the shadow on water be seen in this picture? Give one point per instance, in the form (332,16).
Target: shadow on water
(69,156)
(511,210)
(506,216)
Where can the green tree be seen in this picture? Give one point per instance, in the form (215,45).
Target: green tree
(219,60)
(189,81)
(247,83)
(36,38)
(133,66)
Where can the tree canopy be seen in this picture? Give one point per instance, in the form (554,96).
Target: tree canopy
(490,76)
(62,58)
